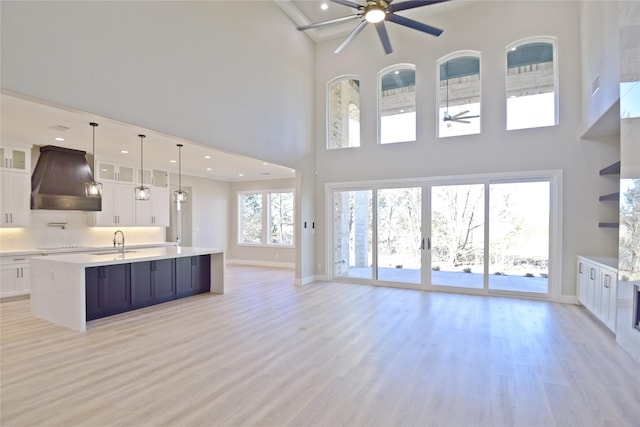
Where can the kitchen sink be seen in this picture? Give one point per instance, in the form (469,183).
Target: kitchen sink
(113,253)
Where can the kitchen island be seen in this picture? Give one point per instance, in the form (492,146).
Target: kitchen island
(71,289)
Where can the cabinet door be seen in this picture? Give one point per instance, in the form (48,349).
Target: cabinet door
(124,204)
(184,284)
(201,273)
(117,206)
(116,287)
(160,204)
(593,295)
(164,280)
(25,279)
(15,199)
(10,280)
(94,304)
(142,291)
(583,282)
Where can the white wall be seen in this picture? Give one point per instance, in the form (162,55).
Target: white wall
(600,41)
(209,210)
(487,27)
(207,71)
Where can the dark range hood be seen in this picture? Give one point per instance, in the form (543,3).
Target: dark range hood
(58,181)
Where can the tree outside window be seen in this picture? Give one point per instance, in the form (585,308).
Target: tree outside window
(266,218)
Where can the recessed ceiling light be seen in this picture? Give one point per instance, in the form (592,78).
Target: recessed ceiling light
(209,169)
(265,164)
(124,151)
(207,157)
(172,161)
(57,138)
(324,6)
(240,174)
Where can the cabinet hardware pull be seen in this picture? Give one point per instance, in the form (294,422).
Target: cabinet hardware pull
(592,274)
(11,215)
(580,268)
(17,271)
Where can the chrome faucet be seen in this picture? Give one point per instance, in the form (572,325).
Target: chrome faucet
(115,242)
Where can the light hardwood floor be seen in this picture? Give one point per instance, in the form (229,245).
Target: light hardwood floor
(329,354)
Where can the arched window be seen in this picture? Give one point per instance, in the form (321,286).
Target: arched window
(459,94)
(343,112)
(397,104)
(532,84)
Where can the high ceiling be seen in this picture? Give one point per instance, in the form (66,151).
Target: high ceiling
(304,12)
(28,121)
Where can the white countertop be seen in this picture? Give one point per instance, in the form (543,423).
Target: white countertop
(610,262)
(75,249)
(84,259)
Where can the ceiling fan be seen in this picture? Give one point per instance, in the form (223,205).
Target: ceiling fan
(376,12)
(458,117)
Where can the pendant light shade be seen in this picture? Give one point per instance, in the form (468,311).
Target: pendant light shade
(179,196)
(92,188)
(142,192)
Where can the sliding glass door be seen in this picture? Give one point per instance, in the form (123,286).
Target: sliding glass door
(477,235)
(457,235)
(519,236)
(399,225)
(352,234)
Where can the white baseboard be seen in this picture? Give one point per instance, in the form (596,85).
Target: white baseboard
(288,265)
(567,299)
(305,280)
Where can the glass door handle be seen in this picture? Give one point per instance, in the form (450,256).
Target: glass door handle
(422,244)
(428,244)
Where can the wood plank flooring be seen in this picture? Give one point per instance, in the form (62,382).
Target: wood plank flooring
(328,354)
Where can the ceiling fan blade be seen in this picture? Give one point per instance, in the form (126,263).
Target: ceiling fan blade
(411,4)
(330,22)
(460,121)
(461,113)
(348,4)
(351,36)
(384,37)
(414,24)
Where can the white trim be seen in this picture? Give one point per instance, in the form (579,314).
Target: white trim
(553,40)
(381,73)
(287,265)
(555,179)
(328,104)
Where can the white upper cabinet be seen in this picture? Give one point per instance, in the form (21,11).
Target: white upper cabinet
(155,211)
(117,206)
(16,159)
(109,171)
(15,193)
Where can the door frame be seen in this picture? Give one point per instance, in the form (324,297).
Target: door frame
(554,177)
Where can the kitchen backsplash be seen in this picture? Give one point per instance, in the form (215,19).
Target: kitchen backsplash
(46,231)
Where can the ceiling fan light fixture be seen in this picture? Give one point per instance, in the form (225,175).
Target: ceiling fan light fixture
(374,13)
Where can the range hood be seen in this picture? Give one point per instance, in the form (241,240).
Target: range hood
(58,181)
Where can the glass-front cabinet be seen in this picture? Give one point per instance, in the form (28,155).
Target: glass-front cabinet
(109,171)
(17,159)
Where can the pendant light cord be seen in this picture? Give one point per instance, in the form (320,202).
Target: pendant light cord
(180,168)
(93,153)
(141,162)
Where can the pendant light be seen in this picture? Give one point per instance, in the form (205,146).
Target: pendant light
(92,188)
(142,192)
(179,196)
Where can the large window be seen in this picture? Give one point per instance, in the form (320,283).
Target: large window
(397,104)
(459,94)
(343,115)
(271,226)
(531,84)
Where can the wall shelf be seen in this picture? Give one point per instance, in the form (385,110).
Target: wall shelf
(612,169)
(610,197)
